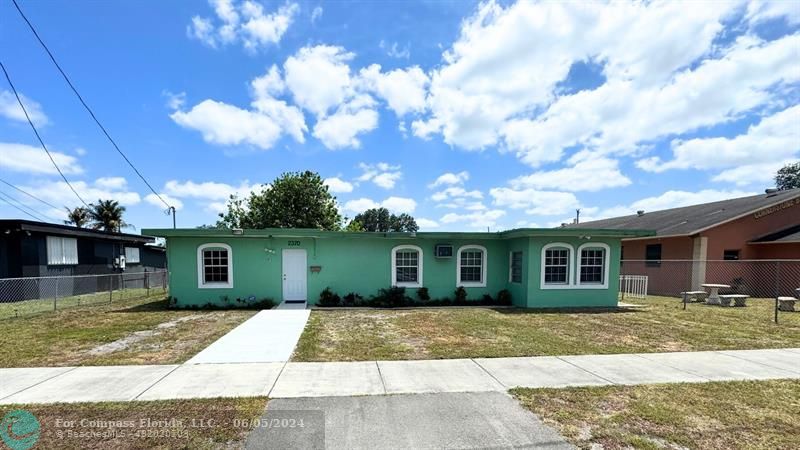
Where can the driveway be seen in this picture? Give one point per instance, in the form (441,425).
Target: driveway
(269,336)
(419,421)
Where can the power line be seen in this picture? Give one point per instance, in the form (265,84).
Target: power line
(91,113)
(36,132)
(28,194)
(3,196)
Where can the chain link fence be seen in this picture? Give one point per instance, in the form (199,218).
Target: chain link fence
(31,295)
(756,278)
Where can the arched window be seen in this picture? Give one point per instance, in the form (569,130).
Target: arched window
(556,265)
(593,265)
(471,266)
(407,266)
(214,266)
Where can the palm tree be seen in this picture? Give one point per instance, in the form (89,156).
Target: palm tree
(77,216)
(107,215)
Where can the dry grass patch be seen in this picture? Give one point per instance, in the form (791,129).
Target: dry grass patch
(173,424)
(142,331)
(718,415)
(659,325)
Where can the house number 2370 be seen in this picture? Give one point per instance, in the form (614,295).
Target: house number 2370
(294,243)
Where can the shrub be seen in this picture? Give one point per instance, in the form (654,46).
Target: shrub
(328,298)
(487,300)
(460,296)
(392,297)
(422,294)
(504,297)
(352,299)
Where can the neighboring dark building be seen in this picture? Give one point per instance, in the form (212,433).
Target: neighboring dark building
(39,249)
(762,227)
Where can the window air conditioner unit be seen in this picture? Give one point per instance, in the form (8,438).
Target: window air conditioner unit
(444,251)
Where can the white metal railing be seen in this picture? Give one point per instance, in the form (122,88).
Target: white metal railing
(633,286)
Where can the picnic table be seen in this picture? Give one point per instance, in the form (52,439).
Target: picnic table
(713,297)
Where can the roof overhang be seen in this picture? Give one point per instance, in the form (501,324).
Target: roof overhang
(65,230)
(307,233)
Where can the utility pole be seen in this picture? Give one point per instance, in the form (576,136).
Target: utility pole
(171,210)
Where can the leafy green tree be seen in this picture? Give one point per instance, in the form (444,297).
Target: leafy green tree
(381,220)
(107,215)
(78,216)
(293,200)
(788,177)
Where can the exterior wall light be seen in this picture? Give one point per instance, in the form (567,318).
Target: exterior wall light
(238,231)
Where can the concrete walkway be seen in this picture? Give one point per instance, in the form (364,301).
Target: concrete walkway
(425,421)
(269,336)
(332,379)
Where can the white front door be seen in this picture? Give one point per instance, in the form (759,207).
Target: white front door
(294,275)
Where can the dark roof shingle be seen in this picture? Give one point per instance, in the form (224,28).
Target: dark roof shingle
(691,219)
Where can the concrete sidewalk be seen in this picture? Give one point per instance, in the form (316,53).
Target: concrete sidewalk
(333,379)
(269,336)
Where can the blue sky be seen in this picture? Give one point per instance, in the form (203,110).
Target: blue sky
(467,115)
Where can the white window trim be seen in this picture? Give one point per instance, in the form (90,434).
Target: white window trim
(484,257)
(510,261)
(200,271)
(131,260)
(606,259)
(63,253)
(570,284)
(418,283)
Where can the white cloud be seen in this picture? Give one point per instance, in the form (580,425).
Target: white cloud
(621,114)
(29,159)
(394,50)
(587,174)
(762,10)
(340,130)
(400,204)
(450,178)
(671,199)
(316,14)
(360,205)
(394,204)
(475,220)
(425,224)
(155,201)
(224,124)
(10,109)
(403,90)
(174,101)
(545,203)
(775,139)
(208,190)
(246,22)
(759,173)
(456,192)
(59,193)
(111,182)
(382,174)
(338,186)
(311,89)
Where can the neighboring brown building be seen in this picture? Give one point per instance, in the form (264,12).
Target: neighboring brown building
(759,227)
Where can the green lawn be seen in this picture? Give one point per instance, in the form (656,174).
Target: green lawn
(660,325)
(139,331)
(718,415)
(197,424)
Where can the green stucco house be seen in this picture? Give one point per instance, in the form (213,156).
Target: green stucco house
(542,268)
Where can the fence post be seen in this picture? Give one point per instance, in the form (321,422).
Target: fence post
(55,297)
(110,287)
(146,282)
(777,287)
